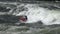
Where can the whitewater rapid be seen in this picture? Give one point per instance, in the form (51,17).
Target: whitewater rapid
(36,13)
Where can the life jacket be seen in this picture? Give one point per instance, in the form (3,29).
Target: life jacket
(22,18)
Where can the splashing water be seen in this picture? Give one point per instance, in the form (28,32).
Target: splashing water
(36,13)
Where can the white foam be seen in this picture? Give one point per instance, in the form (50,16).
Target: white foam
(36,13)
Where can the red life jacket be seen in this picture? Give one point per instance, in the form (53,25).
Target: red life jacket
(23,18)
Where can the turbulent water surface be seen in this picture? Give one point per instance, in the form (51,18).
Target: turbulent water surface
(35,13)
(43,18)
